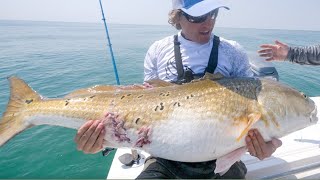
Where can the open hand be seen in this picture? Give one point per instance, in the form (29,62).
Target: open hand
(90,136)
(271,52)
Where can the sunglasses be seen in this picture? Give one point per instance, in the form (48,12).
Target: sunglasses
(200,19)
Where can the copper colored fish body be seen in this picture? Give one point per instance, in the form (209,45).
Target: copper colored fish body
(193,122)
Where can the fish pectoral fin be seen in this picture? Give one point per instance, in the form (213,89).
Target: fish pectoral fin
(252,119)
(159,83)
(224,163)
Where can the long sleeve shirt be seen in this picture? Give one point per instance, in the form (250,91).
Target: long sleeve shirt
(304,55)
(160,60)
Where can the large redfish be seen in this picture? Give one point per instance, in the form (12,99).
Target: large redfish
(199,121)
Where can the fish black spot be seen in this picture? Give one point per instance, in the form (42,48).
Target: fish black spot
(28,101)
(161,106)
(67,102)
(188,97)
(122,97)
(176,104)
(92,96)
(140,96)
(192,95)
(137,120)
(161,94)
(128,94)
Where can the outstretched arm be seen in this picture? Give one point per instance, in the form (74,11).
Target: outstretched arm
(281,51)
(305,55)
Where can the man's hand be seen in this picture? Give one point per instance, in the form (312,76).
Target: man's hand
(278,51)
(258,147)
(89,138)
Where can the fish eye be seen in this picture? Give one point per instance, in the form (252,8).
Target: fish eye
(304,95)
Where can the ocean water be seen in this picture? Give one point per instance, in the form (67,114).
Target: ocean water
(56,58)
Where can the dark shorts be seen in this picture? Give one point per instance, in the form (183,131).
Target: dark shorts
(158,168)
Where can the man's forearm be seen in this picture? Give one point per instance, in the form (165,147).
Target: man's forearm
(305,55)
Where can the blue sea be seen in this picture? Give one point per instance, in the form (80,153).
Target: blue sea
(56,58)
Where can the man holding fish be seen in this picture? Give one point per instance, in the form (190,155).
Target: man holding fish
(197,51)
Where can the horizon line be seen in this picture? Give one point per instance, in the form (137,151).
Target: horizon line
(113,23)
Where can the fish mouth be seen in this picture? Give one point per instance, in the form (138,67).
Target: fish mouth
(313,116)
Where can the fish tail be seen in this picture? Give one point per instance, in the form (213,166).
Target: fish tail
(12,122)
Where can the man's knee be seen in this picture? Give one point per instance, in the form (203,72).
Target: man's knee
(153,169)
(237,171)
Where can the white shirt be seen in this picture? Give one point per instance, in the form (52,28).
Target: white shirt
(160,62)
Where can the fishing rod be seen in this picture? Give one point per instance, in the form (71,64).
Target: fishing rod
(110,45)
(128,159)
(106,151)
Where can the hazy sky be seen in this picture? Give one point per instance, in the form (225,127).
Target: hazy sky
(266,14)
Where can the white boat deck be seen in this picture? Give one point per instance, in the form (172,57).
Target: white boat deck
(297,158)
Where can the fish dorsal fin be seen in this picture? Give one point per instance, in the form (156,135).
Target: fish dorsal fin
(110,88)
(159,83)
(252,119)
(102,89)
(211,76)
(91,90)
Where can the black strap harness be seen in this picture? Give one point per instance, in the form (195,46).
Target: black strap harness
(177,56)
(187,75)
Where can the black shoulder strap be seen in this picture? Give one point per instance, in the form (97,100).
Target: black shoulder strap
(212,63)
(213,60)
(177,55)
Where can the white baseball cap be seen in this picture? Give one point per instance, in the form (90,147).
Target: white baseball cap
(197,7)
